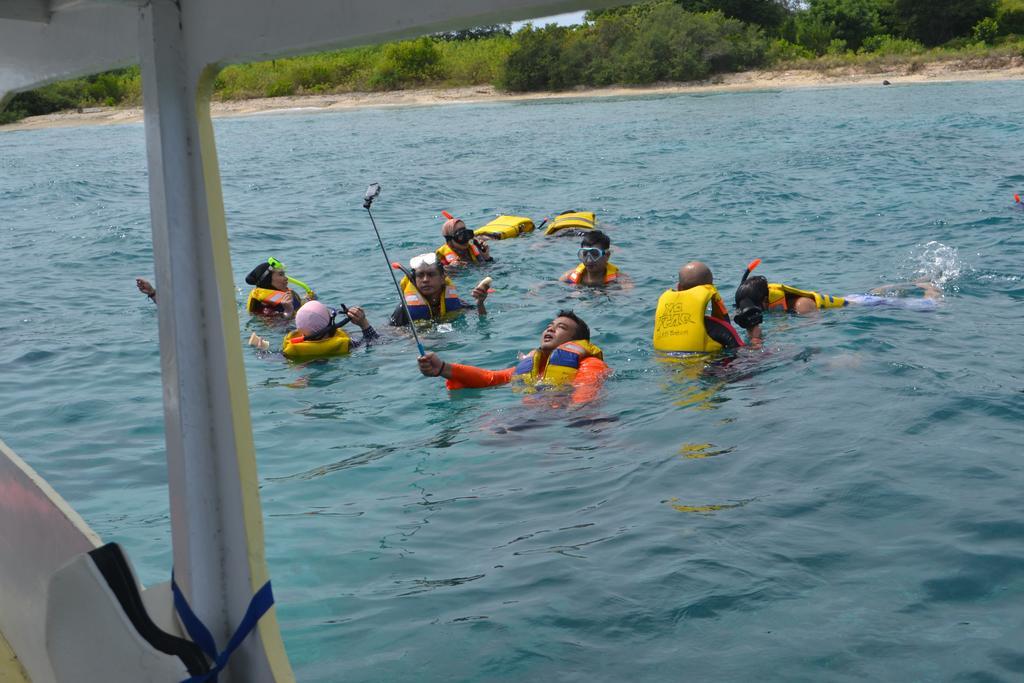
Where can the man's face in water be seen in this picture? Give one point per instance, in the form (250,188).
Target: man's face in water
(559,331)
(429,280)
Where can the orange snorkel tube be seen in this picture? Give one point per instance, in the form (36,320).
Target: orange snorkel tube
(750,269)
(750,314)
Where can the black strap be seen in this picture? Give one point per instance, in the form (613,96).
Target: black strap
(110,561)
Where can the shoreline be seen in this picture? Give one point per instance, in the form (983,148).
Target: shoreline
(747,81)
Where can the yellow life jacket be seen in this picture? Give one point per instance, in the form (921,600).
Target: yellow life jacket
(576,274)
(450,257)
(505,227)
(420,309)
(562,366)
(265,301)
(574,221)
(679,319)
(777,297)
(304,349)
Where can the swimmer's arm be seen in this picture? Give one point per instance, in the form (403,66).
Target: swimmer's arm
(370,335)
(754,337)
(589,379)
(356,315)
(472,377)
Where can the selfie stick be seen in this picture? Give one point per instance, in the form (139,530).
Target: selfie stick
(372,192)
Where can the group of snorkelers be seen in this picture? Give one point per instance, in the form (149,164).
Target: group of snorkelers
(690,318)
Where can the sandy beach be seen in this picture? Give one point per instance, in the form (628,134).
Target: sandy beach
(937,72)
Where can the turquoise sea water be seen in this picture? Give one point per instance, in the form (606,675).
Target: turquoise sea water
(843,505)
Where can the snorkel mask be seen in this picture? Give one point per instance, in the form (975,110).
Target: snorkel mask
(749,297)
(463,235)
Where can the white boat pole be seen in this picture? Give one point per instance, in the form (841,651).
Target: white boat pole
(216,521)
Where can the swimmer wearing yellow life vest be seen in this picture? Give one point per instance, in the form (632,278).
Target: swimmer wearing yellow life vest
(565,357)
(595,269)
(682,322)
(461,246)
(755,294)
(429,293)
(270,294)
(318,332)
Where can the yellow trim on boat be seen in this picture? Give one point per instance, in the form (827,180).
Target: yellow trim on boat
(11,670)
(248,478)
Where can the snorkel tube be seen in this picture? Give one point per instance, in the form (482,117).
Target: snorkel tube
(372,192)
(749,313)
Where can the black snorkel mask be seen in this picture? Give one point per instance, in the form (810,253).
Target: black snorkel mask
(750,294)
(463,236)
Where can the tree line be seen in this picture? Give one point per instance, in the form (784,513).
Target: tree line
(643,43)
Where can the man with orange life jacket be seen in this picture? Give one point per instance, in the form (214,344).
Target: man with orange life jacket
(430,295)
(681,322)
(594,268)
(461,245)
(565,357)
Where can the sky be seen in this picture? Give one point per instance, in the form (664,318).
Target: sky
(561,19)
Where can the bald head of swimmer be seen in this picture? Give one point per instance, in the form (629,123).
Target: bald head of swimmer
(694,273)
(566,327)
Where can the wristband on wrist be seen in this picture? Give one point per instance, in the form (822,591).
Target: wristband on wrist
(441,371)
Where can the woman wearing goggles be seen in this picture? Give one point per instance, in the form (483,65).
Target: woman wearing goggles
(594,269)
(461,245)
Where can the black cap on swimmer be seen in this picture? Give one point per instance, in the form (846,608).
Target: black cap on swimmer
(753,290)
(750,296)
(259,276)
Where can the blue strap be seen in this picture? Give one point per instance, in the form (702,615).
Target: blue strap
(201,636)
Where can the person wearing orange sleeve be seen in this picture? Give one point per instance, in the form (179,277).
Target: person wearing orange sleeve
(565,357)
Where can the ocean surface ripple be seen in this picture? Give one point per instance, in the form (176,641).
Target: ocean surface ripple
(841,505)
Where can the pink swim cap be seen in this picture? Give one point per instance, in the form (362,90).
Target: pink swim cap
(312,318)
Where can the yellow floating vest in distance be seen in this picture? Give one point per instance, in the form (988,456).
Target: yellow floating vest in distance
(335,345)
(777,297)
(505,227)
(574,220)
(679,320)
(562,366)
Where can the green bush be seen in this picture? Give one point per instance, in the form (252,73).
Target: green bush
(836,47)
(642,44)
(986,30)
(474,62)
(814,32)
(781,50)
(888,45)
(1010,15)
(410,62)
(854,20)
